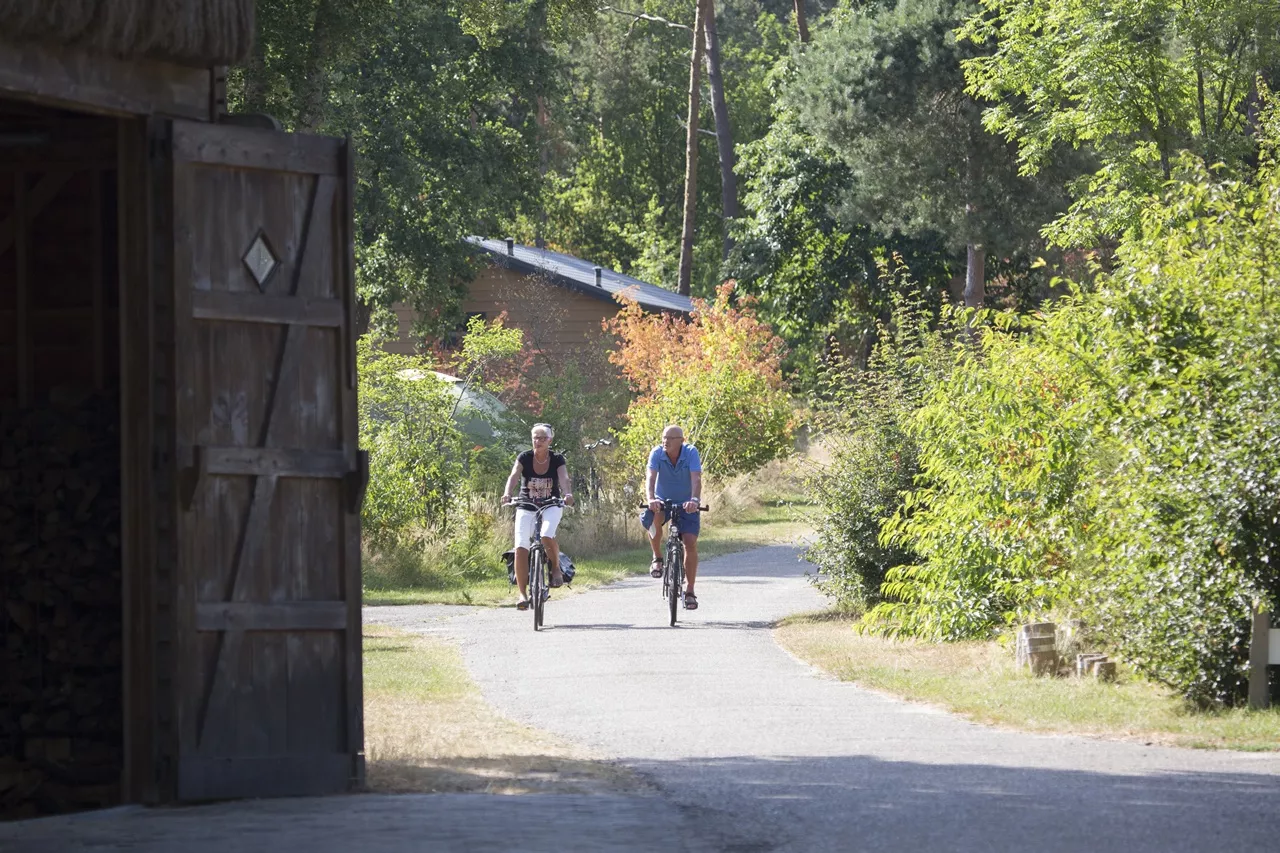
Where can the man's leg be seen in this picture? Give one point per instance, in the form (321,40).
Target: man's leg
(655,538)
(690,560)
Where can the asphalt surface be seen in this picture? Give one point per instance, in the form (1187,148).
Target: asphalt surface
(760,752)
(748,749)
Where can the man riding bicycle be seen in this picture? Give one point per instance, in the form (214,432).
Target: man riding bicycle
(674,474)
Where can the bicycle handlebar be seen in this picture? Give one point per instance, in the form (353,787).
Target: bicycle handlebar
(534,506)
(701,507)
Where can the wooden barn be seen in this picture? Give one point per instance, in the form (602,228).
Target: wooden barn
(557,299)
(180,481)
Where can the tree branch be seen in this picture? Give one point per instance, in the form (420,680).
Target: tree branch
(640,16)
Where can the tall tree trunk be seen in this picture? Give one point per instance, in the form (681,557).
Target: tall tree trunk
(539,240)
(691,152)
(724,133)
(975,273)
(315,91)
(801,24)
(975,277)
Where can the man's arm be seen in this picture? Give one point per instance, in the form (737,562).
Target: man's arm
(695,481)
(650,483)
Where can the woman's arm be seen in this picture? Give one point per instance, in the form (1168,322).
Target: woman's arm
(512,482)
(566,490)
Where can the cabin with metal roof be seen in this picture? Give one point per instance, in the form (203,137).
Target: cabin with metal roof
(560,301)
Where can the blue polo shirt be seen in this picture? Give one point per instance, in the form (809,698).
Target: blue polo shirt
(675,482)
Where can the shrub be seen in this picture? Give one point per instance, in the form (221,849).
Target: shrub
(416,452)
(718,375)
(863,422)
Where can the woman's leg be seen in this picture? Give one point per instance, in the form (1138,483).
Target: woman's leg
(553,557)
(522,572)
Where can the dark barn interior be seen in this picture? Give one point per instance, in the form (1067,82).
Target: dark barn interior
(61,658)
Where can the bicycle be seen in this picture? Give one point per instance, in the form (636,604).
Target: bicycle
(539,591)
(673,565)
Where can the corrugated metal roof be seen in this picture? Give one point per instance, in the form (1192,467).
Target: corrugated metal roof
(581,276)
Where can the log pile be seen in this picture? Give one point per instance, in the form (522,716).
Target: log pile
(60,607)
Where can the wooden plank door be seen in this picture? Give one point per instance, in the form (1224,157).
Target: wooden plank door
(268,474)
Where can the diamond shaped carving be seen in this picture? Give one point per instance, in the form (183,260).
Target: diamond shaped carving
(261,261)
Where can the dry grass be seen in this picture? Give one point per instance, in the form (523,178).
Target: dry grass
(427,730)
(980,681)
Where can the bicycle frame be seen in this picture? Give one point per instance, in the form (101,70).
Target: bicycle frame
(537,583)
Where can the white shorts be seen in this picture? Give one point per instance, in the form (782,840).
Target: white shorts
(524,524)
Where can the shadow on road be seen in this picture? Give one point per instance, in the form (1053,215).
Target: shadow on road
(864,803)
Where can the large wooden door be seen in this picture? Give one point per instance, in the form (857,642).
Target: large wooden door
(268,474)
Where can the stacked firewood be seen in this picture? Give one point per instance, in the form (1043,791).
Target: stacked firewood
(60,600)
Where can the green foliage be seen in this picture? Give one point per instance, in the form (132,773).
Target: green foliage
(814,273)
(443,125)
(863,423)
(883,88)
(615,163)
(716,375)
(415,448)
(1134,82)
(735,418)
(1115,458)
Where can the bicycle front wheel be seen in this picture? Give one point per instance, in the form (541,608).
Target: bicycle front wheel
(675,570)
(538,584)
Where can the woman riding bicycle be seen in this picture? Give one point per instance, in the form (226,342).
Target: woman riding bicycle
(541,475)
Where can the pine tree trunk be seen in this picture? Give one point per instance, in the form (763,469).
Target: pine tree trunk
(975,278)
(801,24)
(691,154)
(724,133)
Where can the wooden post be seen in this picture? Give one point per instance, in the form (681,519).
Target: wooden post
(1259,694)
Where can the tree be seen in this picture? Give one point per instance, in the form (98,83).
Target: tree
(691,150)
(1135,83)
(724,129)
(718,374)
(884,89)
(615,186)
(443,123)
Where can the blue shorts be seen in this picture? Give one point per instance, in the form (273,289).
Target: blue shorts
(690,522)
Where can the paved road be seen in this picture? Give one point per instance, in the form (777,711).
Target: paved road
(762,753)
(748,749)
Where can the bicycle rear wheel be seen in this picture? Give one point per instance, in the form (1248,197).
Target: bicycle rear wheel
(538,584)
(675,575)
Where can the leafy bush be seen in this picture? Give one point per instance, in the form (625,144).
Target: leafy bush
(1116,457)
(717,375)
(874,460)
(416,452)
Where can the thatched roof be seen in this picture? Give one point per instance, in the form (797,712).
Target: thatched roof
(189,32)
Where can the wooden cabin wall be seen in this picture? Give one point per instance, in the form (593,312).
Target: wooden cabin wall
(60,568)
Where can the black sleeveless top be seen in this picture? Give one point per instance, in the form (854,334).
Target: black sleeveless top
(539,487)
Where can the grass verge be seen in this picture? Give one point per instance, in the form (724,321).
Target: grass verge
(427,730)
(979,681)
